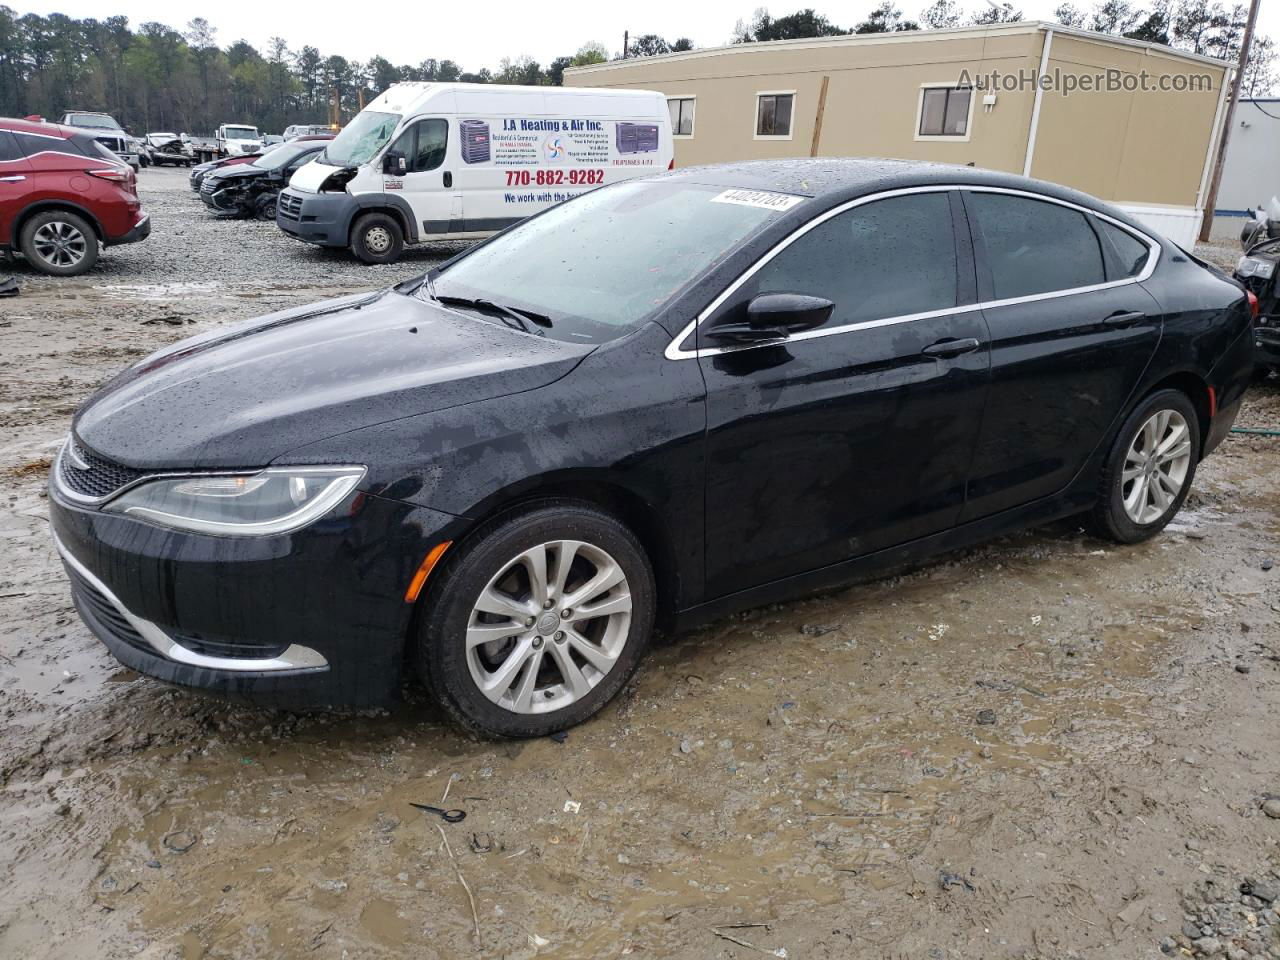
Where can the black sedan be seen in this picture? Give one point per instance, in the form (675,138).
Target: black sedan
(661,401)
(251,189)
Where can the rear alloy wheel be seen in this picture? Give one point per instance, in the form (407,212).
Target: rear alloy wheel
(377,238)
(1150,469)
(59,243)
(537,621)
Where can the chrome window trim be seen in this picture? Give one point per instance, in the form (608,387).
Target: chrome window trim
(294,657)
(674,351)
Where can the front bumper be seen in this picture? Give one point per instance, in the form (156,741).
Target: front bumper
(312,619)
(323,219)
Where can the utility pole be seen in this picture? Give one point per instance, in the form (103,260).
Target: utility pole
(1211,200)
(626,39)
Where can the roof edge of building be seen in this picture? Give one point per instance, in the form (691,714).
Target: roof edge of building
(905,36)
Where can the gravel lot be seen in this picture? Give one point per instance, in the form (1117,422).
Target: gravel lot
(1047,747)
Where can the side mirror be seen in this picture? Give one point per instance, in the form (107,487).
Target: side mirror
(775,316)
(395,164)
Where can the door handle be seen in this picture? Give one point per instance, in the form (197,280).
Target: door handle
(15,179)
(448,178)
(1123,319)
(945,349)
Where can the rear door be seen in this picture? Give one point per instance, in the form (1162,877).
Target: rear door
(15,184)
(1072,331)
(858,435)
(426,184)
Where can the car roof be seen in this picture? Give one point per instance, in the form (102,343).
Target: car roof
(40,128)
(836,179)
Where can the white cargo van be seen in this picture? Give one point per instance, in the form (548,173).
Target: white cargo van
(458,161)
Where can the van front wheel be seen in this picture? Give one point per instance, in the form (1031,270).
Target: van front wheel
(377,238)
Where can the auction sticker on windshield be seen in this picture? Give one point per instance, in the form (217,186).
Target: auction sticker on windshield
(758,198)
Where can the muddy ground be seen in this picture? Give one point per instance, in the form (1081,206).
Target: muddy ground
(1046,747)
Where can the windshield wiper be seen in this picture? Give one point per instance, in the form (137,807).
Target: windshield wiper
(519,319)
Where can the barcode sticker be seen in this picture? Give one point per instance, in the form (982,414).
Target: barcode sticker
(758,198)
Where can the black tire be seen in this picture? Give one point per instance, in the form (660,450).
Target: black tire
(265,208)
(66,225)
(1110,519)
(439,646)
(377,238)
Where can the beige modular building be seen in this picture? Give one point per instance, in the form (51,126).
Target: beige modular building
(1133,123)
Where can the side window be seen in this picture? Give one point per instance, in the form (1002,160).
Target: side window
(9,147)
(887,258)
(301,160)
(773,114)
(681,115)
(1126,254)
(423,144)
(1034,246)
(944,112)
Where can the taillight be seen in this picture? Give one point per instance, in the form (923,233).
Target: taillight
(1253,303)
(112,173)
(672,164)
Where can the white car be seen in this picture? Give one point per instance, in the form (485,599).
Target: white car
(460,161)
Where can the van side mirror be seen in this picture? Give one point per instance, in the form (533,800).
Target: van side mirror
(775,316)
(395,164)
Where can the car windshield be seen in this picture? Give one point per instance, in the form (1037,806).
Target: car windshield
(598,266)
(363,137)
(241,133)
(281,156)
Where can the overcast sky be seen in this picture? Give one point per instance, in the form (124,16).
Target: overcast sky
(479,34)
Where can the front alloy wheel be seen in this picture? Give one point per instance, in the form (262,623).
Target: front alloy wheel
(549,626)
(536,620)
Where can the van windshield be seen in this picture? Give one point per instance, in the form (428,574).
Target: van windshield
(599,266)
(363,137)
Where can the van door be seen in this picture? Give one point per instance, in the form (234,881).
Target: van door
(426,185)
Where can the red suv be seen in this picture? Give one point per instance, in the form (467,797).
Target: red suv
(62,194)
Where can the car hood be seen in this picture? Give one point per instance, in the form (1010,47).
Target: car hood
(245,396)
(244,171)
(309,178)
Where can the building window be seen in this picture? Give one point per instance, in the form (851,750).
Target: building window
(773,114)
(944,112)
(681,115)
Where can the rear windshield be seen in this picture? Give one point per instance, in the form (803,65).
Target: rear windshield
(600,265)
(92,120)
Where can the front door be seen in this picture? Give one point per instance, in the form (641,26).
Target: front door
(15,183)
(1071,333)
(856,436)
(426,184)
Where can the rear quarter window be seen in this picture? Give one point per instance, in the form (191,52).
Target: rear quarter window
(1126,253)
(9,147)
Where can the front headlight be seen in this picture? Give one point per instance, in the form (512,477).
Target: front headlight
(1256,267)
(277,500)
